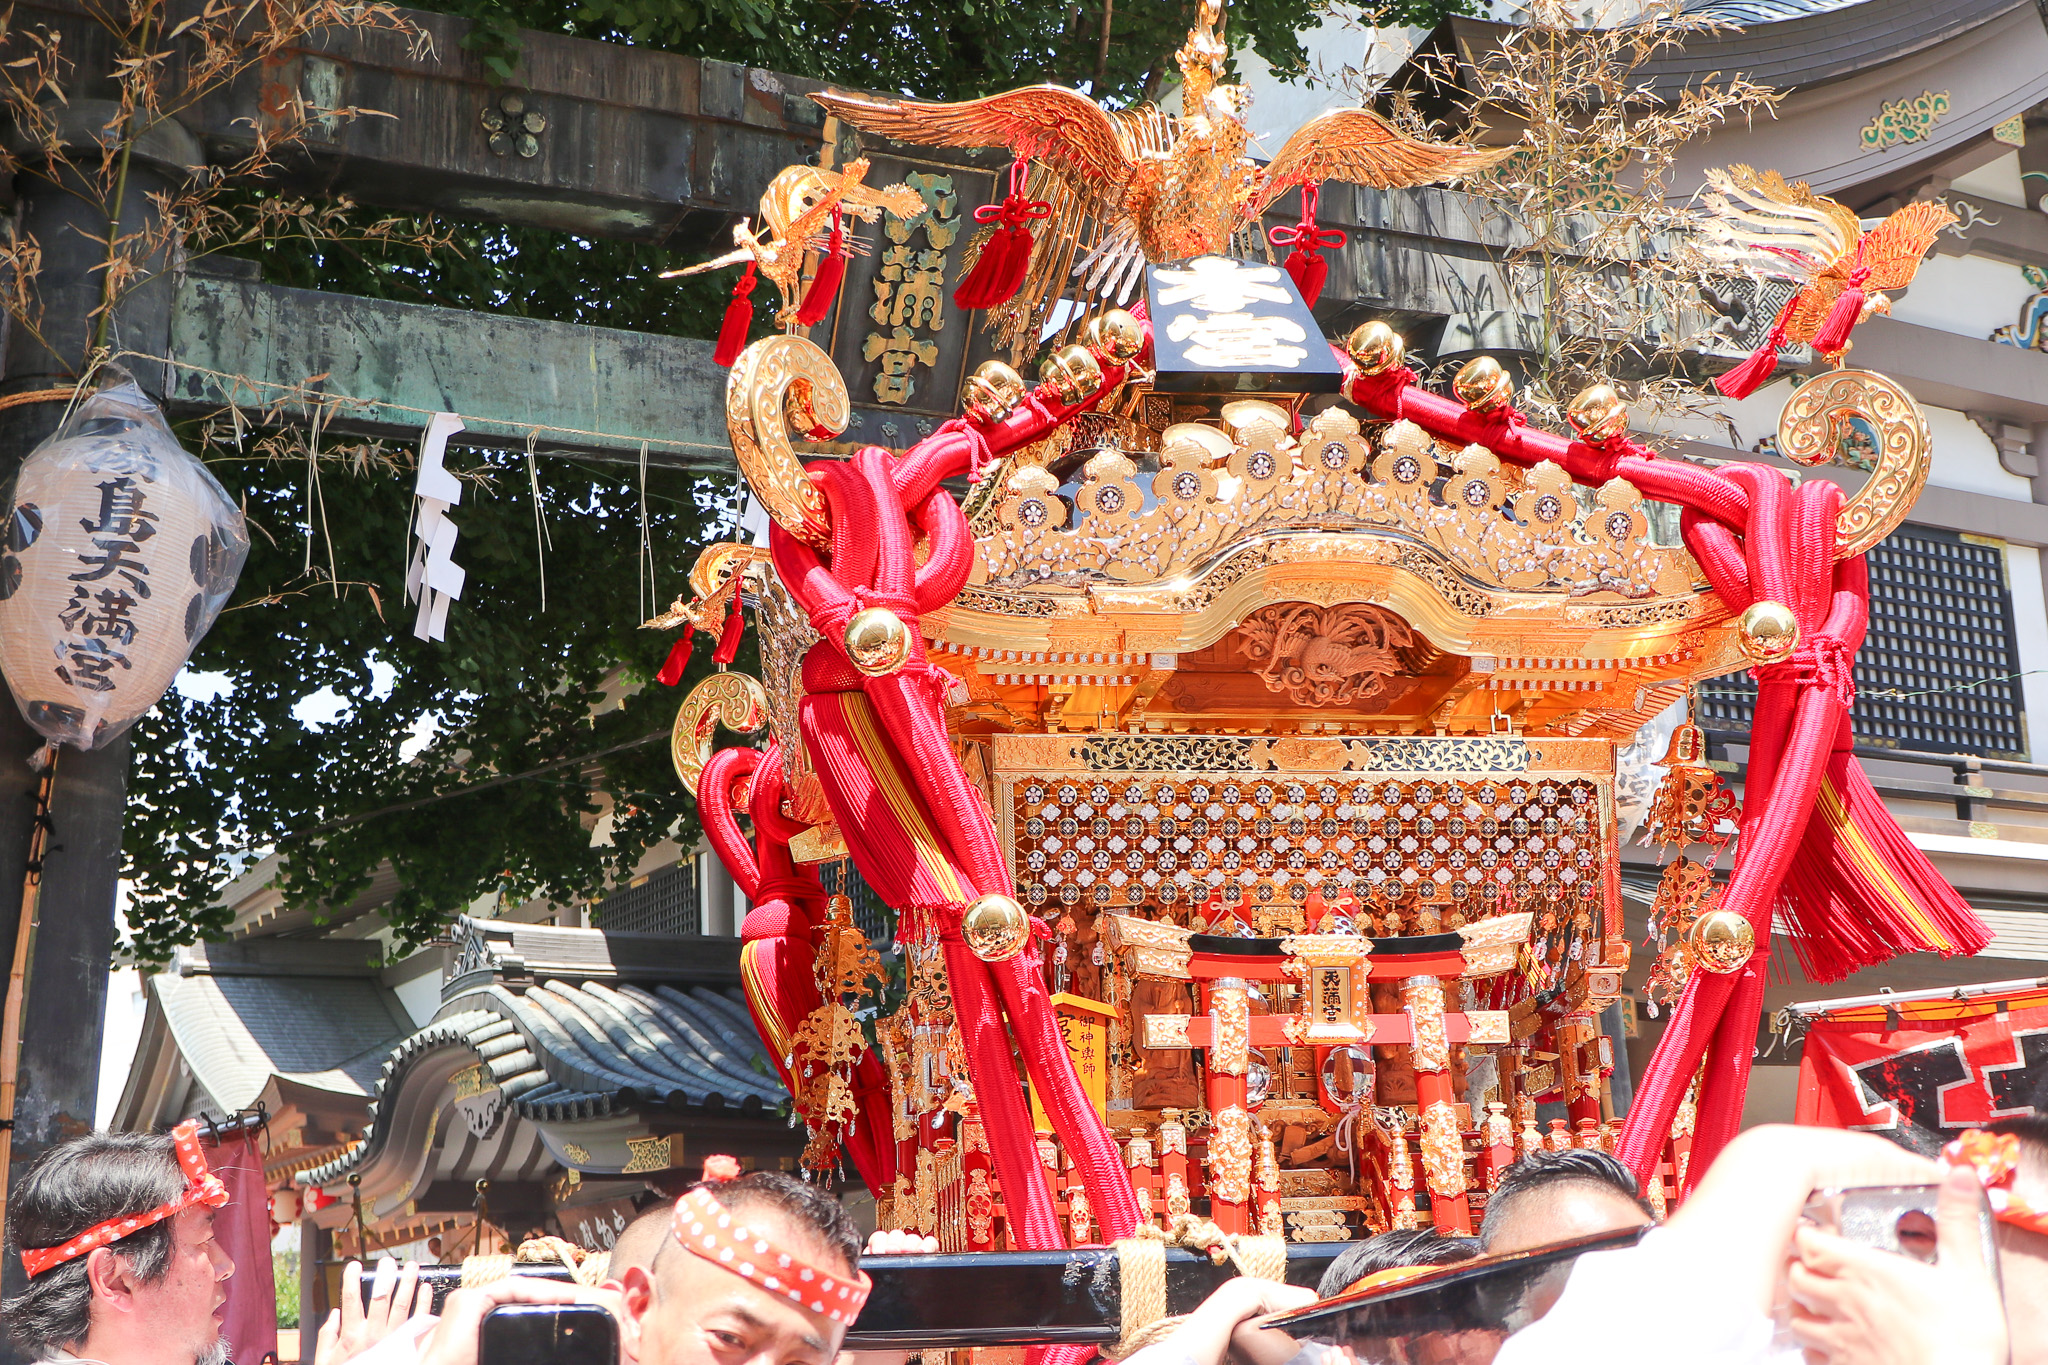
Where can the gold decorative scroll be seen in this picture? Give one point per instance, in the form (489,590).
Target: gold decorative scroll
(1855,416)
(1166,1031)
(1157,949)
(1495,524)
(733,700)
(1230,1156)
(1443,1154)
(648,1154)
(1230,1008)
(1423,999)
(1494,946)
(776,379)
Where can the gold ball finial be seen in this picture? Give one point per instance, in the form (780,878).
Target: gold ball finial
(1721,942)
(995,928)
(991,392)
(1116,336)
(1073,373)
(1376,347)
(1598,414)
(877,641)
(1482,385)
(1770,632)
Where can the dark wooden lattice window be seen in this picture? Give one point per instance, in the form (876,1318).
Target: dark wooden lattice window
(1941,634)
(664,902)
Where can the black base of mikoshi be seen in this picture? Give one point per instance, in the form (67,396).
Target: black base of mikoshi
(996,1298)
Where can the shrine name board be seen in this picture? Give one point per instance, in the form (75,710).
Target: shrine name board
(1221,325)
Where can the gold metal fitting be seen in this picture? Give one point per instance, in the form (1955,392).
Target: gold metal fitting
(1721,942)
(991,392)
(1598,414)
(1116,336)
(1073,373)
(995,928)
(1482,385)
(1770,632)
(877,641)
(1376,347)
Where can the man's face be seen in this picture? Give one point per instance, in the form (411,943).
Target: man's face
(183,1308)
(2023,1269)
(1562,1213)
(692,1312)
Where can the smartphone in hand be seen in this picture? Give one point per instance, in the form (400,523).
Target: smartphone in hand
(548,1334)
(1896,1218)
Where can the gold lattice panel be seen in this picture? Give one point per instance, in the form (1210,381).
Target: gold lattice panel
(1479,825)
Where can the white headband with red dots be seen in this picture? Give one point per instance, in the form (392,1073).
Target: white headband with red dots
(706,1227)
(201,1187)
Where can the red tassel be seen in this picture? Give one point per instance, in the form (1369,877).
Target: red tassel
(824,290)
(1005,260)
(729,638)
(1308,271)
(1833,337)
(739,317)
(1305,264)
(678,659)
(978,287)
(1746,378)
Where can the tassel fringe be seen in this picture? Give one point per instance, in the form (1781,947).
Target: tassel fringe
(739,319)
(824,290)
(1746,378)
(1833,336)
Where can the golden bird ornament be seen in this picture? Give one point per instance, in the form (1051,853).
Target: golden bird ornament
(1130,186)
(797,210)
(1762,226)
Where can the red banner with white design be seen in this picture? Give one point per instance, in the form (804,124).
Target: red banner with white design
(1921,1071)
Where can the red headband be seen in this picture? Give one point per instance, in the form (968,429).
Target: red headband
(201,1187)
(1995,1159)
(706,1227)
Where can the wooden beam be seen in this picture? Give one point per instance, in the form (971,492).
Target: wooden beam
(594,392)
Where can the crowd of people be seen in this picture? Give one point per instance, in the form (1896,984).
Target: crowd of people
(115,1231)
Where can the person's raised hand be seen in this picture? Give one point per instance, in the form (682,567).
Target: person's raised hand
(354,1327)
(1857,1305)
(1253,1301)
(454,1338)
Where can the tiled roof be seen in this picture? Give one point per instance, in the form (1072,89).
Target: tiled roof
(1748,12)
(238,1031)
(565,1052)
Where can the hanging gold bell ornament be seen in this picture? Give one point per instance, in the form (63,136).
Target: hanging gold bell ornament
(1721,942)
(1692,803)
(1072,373)
(1483,386)
(877,641)
(1116,336)
(1598,414)
(1769,632)
(995,928)
(1376,347)
(991,392)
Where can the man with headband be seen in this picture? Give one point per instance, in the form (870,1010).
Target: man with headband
(115,1231)
(759,1269)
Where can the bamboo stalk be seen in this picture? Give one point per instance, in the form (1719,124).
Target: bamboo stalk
(17,976)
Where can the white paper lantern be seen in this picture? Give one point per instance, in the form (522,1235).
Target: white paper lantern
(117,553)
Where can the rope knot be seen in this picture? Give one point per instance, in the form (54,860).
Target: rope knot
(1821,661)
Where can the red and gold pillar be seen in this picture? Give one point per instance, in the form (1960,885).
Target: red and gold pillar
(1443,1147)
(1228,1002)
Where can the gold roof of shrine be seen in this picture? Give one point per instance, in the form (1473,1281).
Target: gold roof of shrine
(1350,579)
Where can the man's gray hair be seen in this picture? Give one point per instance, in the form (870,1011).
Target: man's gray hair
(75,1186)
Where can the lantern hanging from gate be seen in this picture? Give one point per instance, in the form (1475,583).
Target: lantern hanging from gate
(117,552)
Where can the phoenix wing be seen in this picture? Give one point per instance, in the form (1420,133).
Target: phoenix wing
(1764,225)
(1891,251)
(1359,146)
(1060,127)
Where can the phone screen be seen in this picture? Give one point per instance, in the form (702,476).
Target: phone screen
(548,1334)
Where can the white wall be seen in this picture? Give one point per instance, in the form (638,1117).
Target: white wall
(1968,295)
(1998,180)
